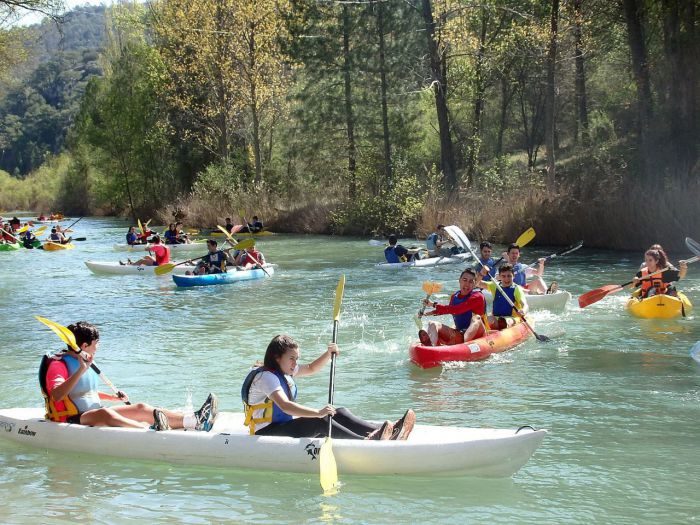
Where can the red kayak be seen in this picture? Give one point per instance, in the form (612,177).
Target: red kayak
(476,350)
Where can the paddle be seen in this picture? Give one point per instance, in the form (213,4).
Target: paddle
(8,233)
(429,287)
(521,241)
(563,252)
(596,295)
(168,267)
(328,467)
(692,245)
(73,223)
(463,240)
(69,338)
(230,239)
(245,221)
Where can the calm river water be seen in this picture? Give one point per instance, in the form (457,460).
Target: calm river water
(620,396)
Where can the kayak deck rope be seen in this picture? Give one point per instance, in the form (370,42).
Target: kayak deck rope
(526,426)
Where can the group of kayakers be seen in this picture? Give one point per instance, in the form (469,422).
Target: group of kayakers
(12,232)
(218,260)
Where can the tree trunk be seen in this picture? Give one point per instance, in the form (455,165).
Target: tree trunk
(581,101)
(257,147)
(634,11)
(475,139)
(506,96)
(550,121)
(385,110)
(349,117)
(438,70)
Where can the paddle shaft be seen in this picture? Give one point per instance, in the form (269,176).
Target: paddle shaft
(74,223)
(8,233)
(230,239)
(107,381)
(331,384)
(553,256)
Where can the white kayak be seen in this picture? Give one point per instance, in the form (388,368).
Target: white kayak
(429,451)
(695,352)
(425,263)
(198,246)
(114,268)
(550,301)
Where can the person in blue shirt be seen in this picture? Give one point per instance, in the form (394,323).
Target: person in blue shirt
(132,237)
(435,241)
(485,259)
(395,253)
(256,225)
(171,234)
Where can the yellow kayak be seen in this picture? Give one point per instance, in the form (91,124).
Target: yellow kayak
(54,246)
(263,233)
(659,306)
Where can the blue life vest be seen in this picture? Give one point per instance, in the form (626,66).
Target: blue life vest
(519,274)
(84,394)
(391,255)
(55,237)
(170,237)
(462,321)
(272,413)
(501,308)
(131,238)
(431,242)
(490,262)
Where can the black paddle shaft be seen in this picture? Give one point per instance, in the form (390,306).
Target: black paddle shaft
(331,385)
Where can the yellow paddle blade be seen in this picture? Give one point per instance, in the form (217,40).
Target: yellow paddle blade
(525,237)
(40,231)
(23,229)
(338,298)
(431,287)
(329,469)
(147,223)
(245,244)
(140,226)
(164,268)
(61,331)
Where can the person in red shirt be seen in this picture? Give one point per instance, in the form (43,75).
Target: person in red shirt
(467,307)
(161,255)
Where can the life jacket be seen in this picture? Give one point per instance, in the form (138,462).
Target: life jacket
(431,242)
(57,411)
(248,257)
(391,255)
(272,413)
(55,237)
(131,238)
(655,283)
(519,274)
(217,260)
(462,321)
(170,237)
(501,307)
(490,262)
(162,255)
(84,394)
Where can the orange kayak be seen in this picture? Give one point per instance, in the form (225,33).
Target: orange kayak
(475,350)
(53,246)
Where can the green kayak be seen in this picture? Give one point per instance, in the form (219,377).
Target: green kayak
(9,247)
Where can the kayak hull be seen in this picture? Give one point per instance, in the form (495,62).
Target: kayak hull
(659,306)
(429,451)
(425,263)
(194,246)
(11,247)
(114,268)
(552,301)
(232,276)
(475,350)
(56,246)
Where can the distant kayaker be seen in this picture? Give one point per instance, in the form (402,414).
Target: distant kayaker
(213,262)
(661,272)
(229,226)
(161,254)
(250,258)
(133,238)
(57,236)
(435,242)
(485,259)
(255,225)
(69,386)
(269,395)
(502,313)
(522,271)
(28,239)
(395,253)
(467,307)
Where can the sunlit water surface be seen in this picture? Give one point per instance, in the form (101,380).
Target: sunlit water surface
(620,396)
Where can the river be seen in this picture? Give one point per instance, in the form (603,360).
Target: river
(620,396)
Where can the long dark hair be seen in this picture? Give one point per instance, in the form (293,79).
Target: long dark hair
(277,348)
(659,256)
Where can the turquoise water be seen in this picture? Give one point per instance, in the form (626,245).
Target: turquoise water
(620,396)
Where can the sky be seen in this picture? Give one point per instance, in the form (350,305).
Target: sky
(34,18)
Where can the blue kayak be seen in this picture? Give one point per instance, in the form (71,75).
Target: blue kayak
(232,276)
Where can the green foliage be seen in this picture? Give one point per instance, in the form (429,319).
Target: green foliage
(219,182)
(393,211)
(40,191)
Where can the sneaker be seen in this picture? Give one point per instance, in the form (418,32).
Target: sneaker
(424,338)
(206,415)
(382,433)
(160,421)
(122,263)
(403,427)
